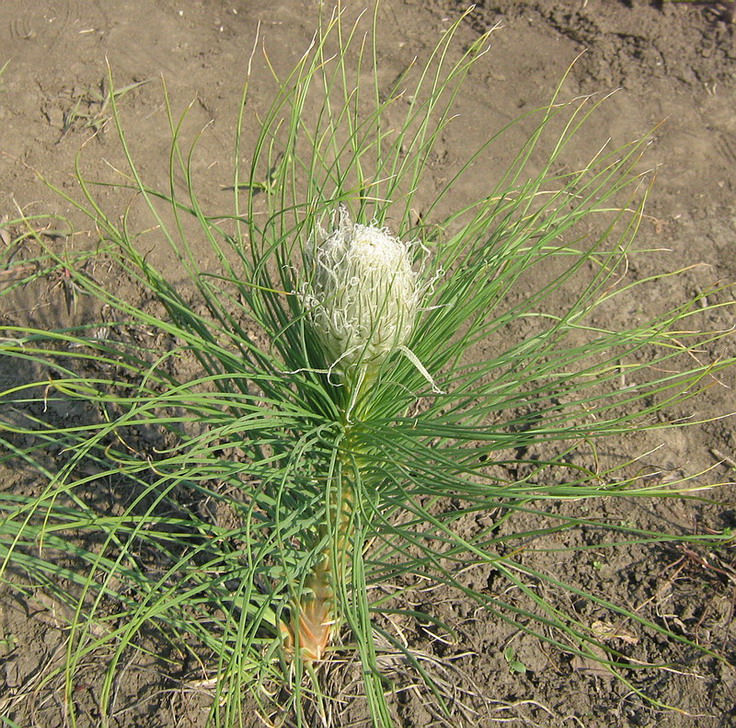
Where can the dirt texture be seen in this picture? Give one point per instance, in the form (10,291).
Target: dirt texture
(673,69)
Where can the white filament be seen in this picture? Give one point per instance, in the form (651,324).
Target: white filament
(363,295)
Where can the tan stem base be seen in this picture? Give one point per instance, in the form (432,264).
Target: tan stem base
(312,619)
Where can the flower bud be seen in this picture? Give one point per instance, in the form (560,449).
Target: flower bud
(362,295)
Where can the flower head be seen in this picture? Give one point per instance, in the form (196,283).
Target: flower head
(362,295)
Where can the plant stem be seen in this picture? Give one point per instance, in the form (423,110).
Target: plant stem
(315,616)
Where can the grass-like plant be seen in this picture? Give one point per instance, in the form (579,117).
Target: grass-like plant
(264,463)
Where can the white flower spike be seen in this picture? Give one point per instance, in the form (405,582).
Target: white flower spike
(363,295)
